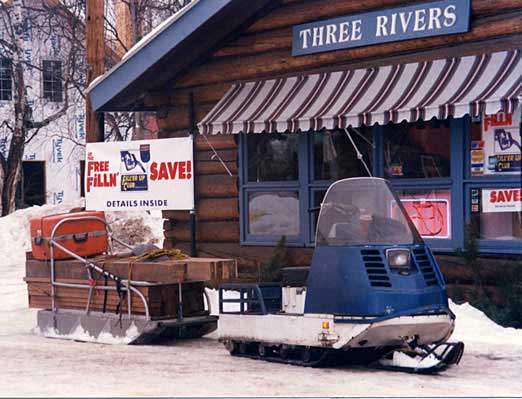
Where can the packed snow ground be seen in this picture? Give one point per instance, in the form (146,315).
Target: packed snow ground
(37,366)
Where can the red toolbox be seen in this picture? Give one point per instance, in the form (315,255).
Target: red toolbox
(83,237)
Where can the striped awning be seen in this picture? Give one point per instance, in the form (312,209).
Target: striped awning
(448,87)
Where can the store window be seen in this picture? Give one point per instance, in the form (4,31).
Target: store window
(493,181)
(272,157)
(417,150)
(429,210)
(273,213)
(335,157)
(496,213)
(495,146)
(285,176)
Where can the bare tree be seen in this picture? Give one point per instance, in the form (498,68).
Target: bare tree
(126,24)
(22,21)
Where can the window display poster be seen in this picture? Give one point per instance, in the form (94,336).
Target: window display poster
(502,200)
(430,213)
(499,151)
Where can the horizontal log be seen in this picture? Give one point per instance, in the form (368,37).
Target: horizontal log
(210,156)
(215,167)
(210,209)
(486,270)
(218,142)
(281,62)
(217,186)
(178,117)
(206,232)
(460,293)
(299,12)
(210,94)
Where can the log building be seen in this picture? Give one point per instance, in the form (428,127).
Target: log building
(284,94)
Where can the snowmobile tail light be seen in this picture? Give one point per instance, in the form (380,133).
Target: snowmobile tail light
(326,325)
(399,259)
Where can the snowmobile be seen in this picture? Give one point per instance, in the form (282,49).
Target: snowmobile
(373,295)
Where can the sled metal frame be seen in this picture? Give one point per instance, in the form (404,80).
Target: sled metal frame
(125,285)
(253,298)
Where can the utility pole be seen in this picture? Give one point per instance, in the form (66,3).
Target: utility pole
(95,47)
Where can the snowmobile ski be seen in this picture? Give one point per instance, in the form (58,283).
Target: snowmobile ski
(423,360)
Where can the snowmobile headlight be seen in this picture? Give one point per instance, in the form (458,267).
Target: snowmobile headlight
(398,259)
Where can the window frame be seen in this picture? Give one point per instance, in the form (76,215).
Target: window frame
(306,187)
(5,79)
(247,187)
(459,184)
(470,182)
(53,93)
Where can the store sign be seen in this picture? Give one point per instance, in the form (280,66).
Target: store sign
(502,200)
(132,175)
(412,22)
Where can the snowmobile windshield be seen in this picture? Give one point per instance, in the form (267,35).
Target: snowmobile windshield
(363,211)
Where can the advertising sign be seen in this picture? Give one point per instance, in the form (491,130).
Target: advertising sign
(412,22)
(501,145)
(502,200)
(431,216)
(134,175)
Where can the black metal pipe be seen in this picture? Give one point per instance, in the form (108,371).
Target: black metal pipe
(193,133)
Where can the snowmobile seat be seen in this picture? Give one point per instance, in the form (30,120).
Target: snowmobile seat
(296,276)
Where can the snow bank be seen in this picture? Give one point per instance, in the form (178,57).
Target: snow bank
(14,230)
(472,325)
(15,237)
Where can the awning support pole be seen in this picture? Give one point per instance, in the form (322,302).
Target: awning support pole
(359,155)
(193,132)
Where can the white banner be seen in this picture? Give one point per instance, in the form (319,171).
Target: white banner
(148,174)
(502,200)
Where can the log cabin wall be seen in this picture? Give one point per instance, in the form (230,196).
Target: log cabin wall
(263,50)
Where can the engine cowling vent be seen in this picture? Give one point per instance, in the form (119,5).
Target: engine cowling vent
(376,268)
(424,264)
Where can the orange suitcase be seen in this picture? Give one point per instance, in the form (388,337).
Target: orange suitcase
(83,237)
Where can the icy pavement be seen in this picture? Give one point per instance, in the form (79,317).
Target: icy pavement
(37,366)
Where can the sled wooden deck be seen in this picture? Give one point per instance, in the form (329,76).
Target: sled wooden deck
(163,280)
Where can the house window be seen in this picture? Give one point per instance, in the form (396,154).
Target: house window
(52,81)
(31,190)
(6,79)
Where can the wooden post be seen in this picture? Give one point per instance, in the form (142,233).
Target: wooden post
(95,64)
